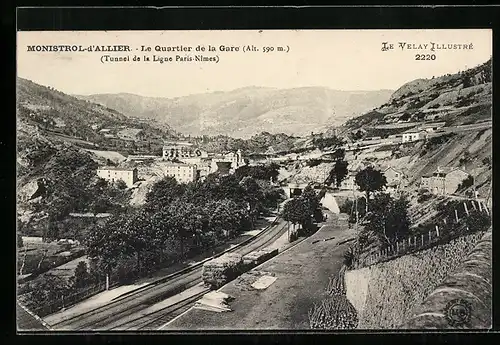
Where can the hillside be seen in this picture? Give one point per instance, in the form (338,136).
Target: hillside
(54,111)
(56,170)
(457,99)
(247,111)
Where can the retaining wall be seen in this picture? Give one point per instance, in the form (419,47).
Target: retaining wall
(386,295)
(472,283)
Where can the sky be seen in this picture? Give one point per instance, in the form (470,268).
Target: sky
(339,59)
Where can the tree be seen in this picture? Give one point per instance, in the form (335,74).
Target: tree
(311,198)
(388,218)
(478,221)
(105,243)
(225,218)
(81,277)
(138,235)
(120,184)
(163,193)
(252,195)
(370,180)
(297,211)
(340,168)
(466,183)
(467,81)
(48,289)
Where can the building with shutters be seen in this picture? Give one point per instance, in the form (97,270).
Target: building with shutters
(113,174)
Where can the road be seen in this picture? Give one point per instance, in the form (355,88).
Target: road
(119,314)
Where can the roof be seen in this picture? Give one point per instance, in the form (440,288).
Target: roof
(28,321)
(117,168)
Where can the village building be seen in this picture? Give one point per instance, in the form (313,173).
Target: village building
(113,174)
(235,159)
(182,151)
(183,173)
(395,179)
(413,135)
(393,175)
(204,169)
(444,180)
(432,127)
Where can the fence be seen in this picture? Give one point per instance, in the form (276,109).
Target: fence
(67,301)
(414,243)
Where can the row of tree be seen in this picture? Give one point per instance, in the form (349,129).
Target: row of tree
(179,220)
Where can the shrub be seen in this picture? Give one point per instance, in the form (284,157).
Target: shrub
(120,184)
(478,221)
(466,183)
(423,197)
(349,257)
(314,162)
(487,161)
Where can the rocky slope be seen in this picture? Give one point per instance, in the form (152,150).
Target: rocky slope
(456,99)
(248,111)
(459,99)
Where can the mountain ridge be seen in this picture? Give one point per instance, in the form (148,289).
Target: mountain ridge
(247,111)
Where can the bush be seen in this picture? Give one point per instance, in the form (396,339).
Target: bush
(120,184)
(349,257)
(478,221)
(466,183)
(487,161)
(423,197)
(314,162)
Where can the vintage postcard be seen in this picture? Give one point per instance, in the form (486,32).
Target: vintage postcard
(254,180)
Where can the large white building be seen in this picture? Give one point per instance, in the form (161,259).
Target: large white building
(127,175)
(181,150)
(183,173)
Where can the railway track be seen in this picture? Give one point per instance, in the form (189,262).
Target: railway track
(161,317)
(142,298)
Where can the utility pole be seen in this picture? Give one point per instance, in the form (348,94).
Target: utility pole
(356,207)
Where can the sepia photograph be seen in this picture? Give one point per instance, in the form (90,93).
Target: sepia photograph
(254,180)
